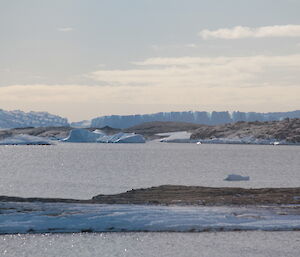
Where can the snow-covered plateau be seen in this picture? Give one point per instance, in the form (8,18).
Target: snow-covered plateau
(40,217)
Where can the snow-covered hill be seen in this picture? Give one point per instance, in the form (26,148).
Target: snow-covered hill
(19,119)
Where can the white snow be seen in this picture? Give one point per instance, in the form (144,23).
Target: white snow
(235,177)
(60,217)
(97,136)
(25,140)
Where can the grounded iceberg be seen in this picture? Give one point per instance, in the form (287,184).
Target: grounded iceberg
(81,136)
(97,136)
(122,138)
(25,140)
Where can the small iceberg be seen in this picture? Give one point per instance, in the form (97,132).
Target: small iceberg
(82,136)
(235,177)
(25,140)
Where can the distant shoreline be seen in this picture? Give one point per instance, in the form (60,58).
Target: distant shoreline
(185,195)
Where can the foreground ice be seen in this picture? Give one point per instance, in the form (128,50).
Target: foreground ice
(25,140)
(59,217)
(97,136)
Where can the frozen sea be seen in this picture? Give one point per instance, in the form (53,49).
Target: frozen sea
(85,170)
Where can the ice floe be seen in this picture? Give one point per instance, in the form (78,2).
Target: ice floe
(61,217)
(236,177)
(25,140)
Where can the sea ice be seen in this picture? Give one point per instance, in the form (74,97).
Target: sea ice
(65,217)
(25,140)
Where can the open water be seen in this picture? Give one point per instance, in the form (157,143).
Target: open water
(85,170)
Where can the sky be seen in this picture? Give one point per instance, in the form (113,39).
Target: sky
(82,59)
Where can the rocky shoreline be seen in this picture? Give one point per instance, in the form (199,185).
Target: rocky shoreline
(185,195)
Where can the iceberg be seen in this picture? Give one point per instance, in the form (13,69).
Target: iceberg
(235,177)
(82,136)
(25,140)
(122,138)
(97,136)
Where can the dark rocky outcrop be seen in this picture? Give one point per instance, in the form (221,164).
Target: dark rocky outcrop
(186,195)
(287,129)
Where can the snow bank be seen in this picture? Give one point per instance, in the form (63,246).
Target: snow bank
(235,177)
(61,217)
(25,140)
(81,136)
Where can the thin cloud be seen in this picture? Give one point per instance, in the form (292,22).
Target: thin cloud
(240,32)
(65,29)
(206,72)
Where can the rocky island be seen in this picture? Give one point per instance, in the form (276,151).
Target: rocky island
(185,195)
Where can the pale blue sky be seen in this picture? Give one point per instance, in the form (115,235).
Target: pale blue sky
(82,59)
